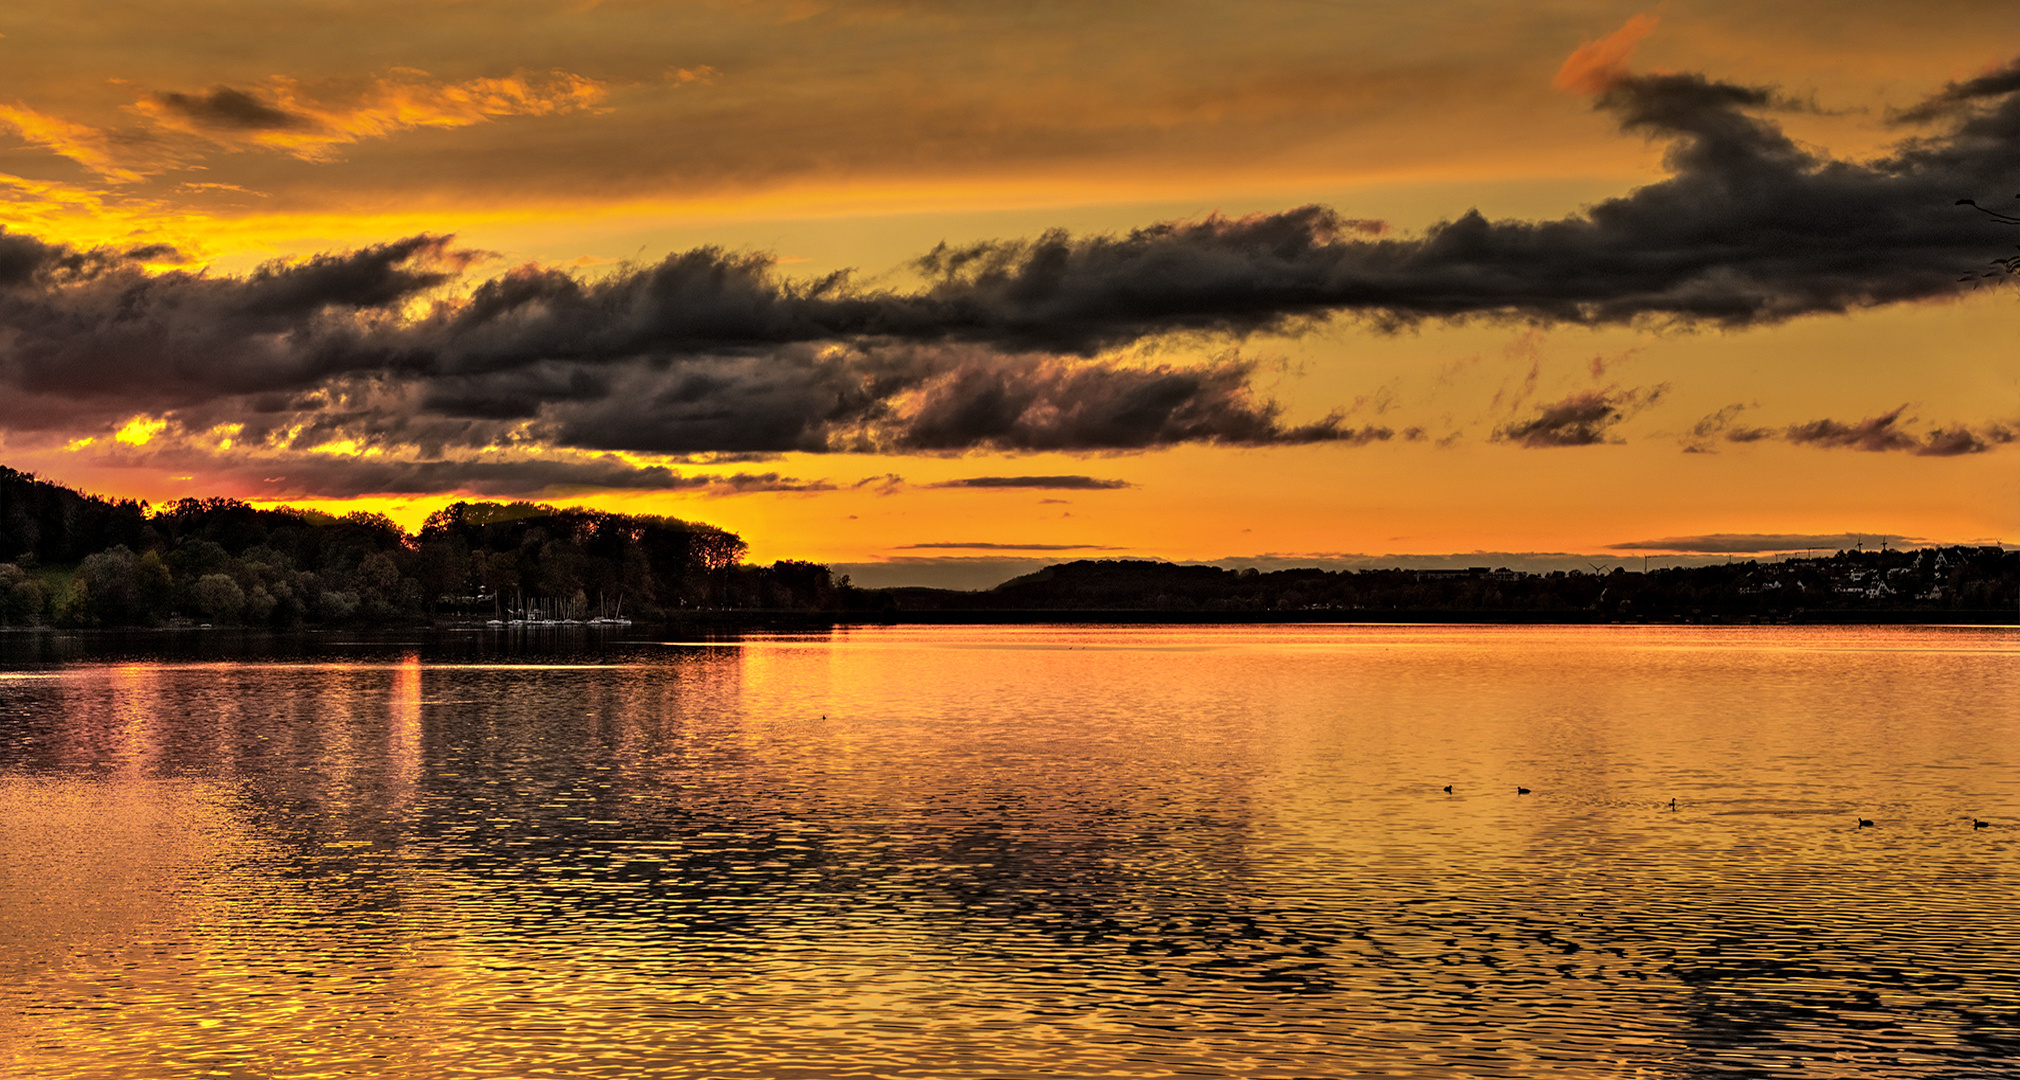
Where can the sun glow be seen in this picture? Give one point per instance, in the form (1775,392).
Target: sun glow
(140,430)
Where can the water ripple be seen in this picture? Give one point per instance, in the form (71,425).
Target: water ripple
(1034,852)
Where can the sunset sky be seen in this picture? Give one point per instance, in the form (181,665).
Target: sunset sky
(938,291)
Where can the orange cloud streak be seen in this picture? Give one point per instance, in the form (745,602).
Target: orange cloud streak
(86,146)
(390,105)
(1597,66)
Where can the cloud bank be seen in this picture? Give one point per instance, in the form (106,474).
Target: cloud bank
(1006,345)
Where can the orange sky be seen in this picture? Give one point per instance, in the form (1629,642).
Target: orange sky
(170,152)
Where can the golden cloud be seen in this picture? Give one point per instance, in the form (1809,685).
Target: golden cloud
(84,145)
(280,114)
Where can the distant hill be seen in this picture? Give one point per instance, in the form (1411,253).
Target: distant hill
(1981,580)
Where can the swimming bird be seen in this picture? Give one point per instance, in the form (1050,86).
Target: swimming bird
(1672,805)
(1976,824)
(1521,791)
(1865,823)
(1448,789)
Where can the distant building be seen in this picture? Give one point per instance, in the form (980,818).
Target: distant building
(1452,573)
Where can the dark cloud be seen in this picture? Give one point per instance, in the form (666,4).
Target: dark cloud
(224,107)
(1961,97)
(1064,405)
(162,253)
(1950,442)
(1873,434)
(1887,432)
(1762,543)
(1042,483)
(1583,419)
(1721,425)
(892,400)
(94,327)
(887,484)
(1890,431)
(28,263)
(1749,228)
(629,368)
(989,546)
(339,476)
(278,296)
(21,258)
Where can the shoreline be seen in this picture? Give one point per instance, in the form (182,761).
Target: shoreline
(764,619)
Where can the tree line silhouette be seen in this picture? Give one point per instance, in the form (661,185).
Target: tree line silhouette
(1967,583)
(80,560)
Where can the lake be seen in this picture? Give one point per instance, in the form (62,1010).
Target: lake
(1014,852)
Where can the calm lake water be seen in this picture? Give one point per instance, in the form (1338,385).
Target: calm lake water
(1015,851)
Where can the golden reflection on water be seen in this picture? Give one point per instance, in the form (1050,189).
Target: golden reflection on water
(403,730)
(1024,851)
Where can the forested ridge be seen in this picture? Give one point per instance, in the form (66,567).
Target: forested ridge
(1965,582)
(78,560)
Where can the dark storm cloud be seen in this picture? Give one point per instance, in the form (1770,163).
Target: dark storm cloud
(1073,406)
(1749,228)
(277,297)
(1759,543)
(1585,418)
(94,327)
(712,351)
(225,107)
(921,400)
(21,258)
(621,364)
(1958,97)
(1040,483)
(26,262)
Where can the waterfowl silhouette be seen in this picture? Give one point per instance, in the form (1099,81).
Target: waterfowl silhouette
(1865,823)
(1976,824)
(1448,789)
(1672,805)
(1521,791)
